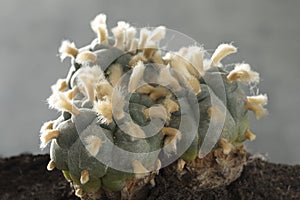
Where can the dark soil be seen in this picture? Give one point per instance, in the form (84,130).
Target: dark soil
(26,177)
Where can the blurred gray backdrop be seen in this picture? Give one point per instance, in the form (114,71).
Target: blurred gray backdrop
(267,33)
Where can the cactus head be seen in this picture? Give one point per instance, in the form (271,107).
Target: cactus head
(129,108)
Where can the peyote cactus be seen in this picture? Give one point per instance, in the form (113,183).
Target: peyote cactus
(129,108)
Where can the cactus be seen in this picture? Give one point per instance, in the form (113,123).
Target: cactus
(129,108)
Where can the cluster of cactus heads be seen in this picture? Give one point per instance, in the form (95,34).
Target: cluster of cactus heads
(129,108)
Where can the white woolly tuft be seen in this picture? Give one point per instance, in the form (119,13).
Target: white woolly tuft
(194,84)
(88,78)
(157,111)
(136,76)
(206,64)
(139,170)
(168,131)
(139,57)
(195,57)
(99,27)
(243,73)
(145,89)
(190,58)
(133,45)
(180,66)
(170,143)
(144,34)
(170,105)
(159,92)
(71,93)
(259,99)
(118,103)
(130,34)
(104,90)
(226,146)
(59,86)
(157,34)
(158,165)
(222,51)
(47,126)
(180,63)
(85,176)
(60,102)
(166,78)
(46,136)
(157,58)
(119,33)
(93,144)
(132,129)
(167,57)
(79,192)
(180,164)
(98,20)
(51,165)
(86,57)
(104,110)
(259,111)
(67,49)
(150,47)
(256,103)
(249,135)
(88,86)
(102,34)
(115,73)
(177,61)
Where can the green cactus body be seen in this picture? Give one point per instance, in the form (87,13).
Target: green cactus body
(98,148)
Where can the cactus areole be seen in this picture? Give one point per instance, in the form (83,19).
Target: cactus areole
(131,105)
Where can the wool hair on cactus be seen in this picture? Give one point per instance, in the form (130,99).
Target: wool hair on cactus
(130,107)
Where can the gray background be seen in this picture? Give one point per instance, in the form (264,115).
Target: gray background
(266,32)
